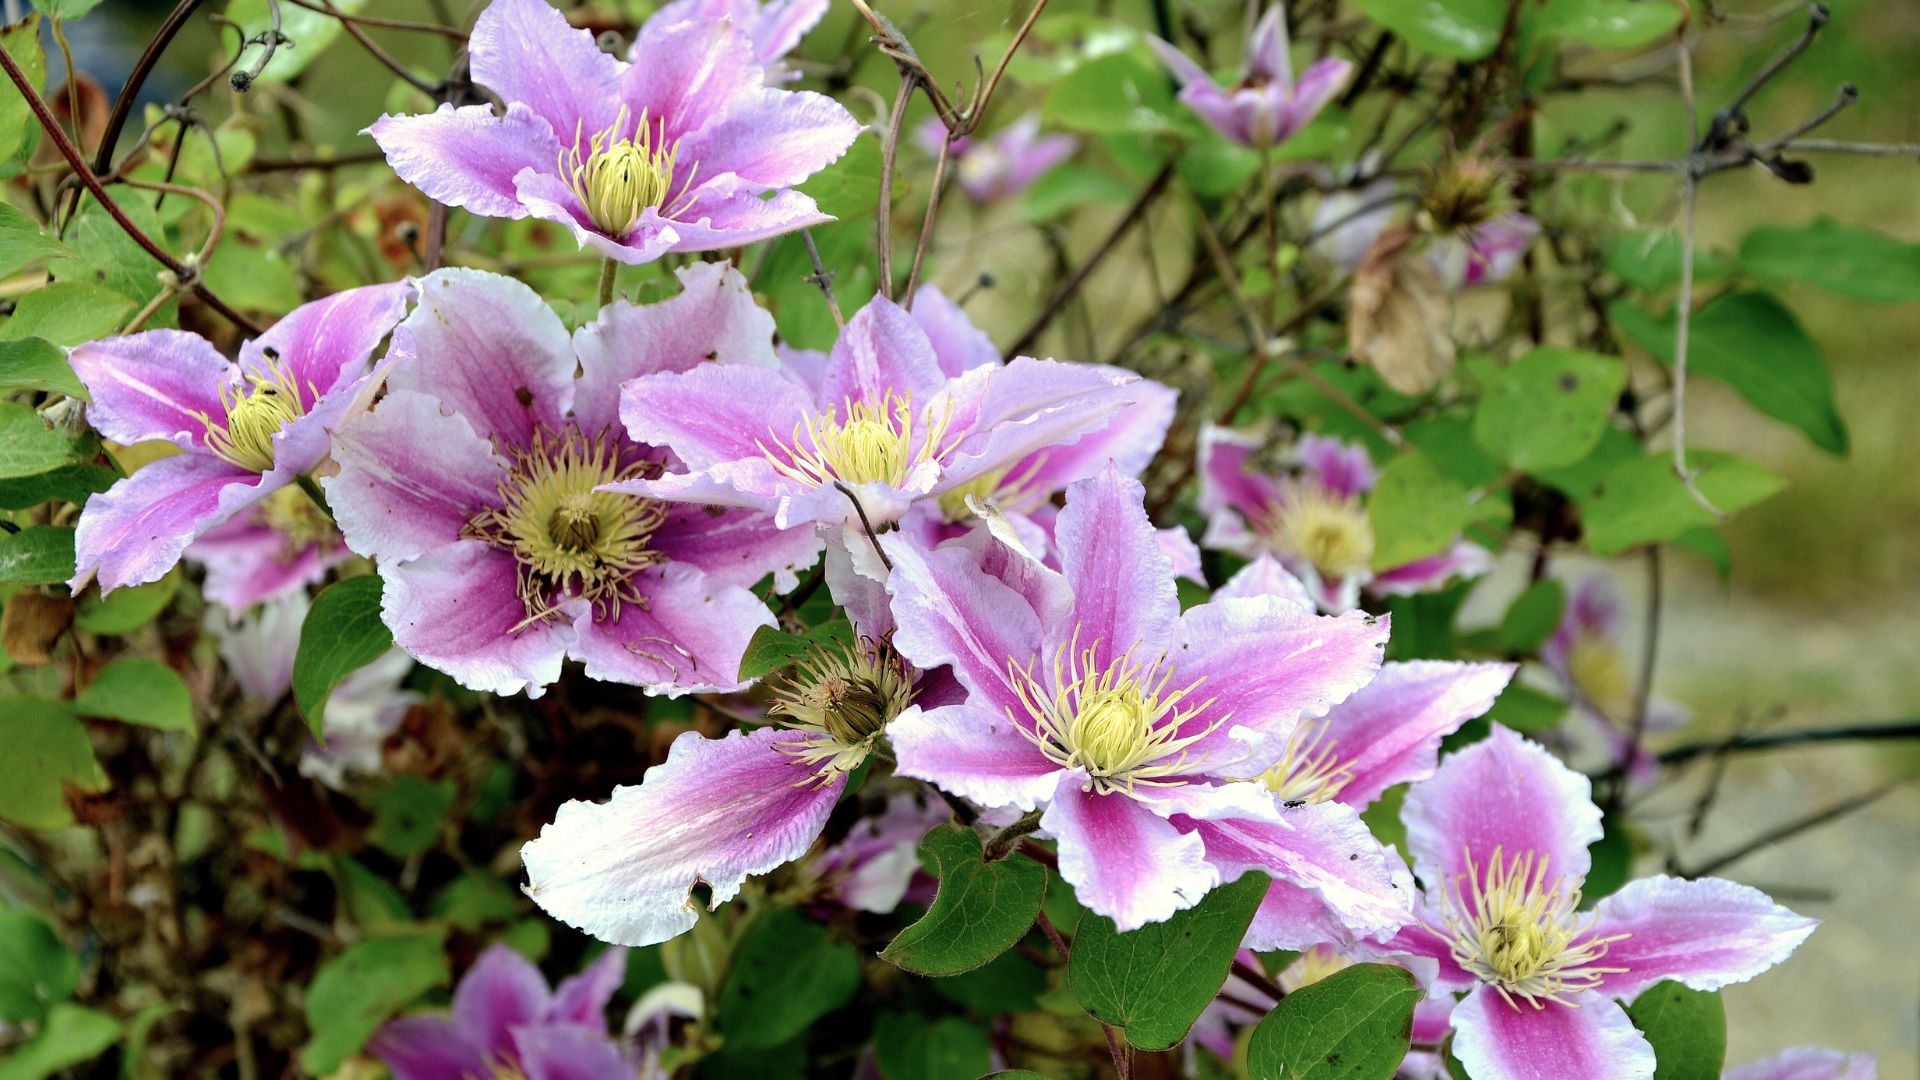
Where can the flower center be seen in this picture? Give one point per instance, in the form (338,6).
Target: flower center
(1009,489)
(1120,723)
(848,694)
(256,411)
(1599,673)
(1327,529)
(620,175)
(293,514)
(1312,966)
(1311,771)
(569,539)
(874,444)
(1523,934)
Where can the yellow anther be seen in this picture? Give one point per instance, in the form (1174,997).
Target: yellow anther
(873,444)
(1327,529)
(618,175)
(1311,771)
(256,410)
(1522,934)
(293,514)
(849,694)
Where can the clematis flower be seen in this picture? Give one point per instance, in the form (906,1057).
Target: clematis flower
(684,149)
(1348,222)
(1267,106)
(1486,253)
(1587,655)
(274,548)
(907,407)
(1092,697)
(505,1022)
(1807,1063)
(877,865)
(1002,165)
(245,431)
(1499,841)
(774,26)
(1314,519)
(718,810)
(479,487)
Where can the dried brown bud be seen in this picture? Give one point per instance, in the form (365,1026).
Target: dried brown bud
(1400,318)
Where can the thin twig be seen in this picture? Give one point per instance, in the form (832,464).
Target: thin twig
(449,32)
(889,154)
(1793,828)
(926,221)
(822,278)
(1892,731)
(1135,214)
(271,41)
(1683,310)
(130,90)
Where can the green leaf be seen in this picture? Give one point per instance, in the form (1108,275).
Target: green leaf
(1860,263)
(72,1035)
(310,31)
(772,648)
(1549,408)
(33,364)
(47,750)
(786,975)
(850,187)
(1650,260)
(1069,187)
(1449,441)
(1415,510)
(407,816)
(1121,93)
(342,634)
(1351,1025)
(1755,345)
(36,555)
(109,257)
(357,991)
(1688,1030)
(1711,546)
(1532,618)
(68,483)
(946,1049)
(22,240)
(981,910)
(65,10)
(1010,983)
(127,609)
(28,446)
(36,970)
(253,278)
(1525,709)
(136,690)
(68,313)
(1453,29)
(1610,24)
(1154,982)
(1643,502)
(17,122)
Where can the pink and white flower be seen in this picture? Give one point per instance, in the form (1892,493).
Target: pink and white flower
(1130,724)
(1266,106)
(1807,1063)
(1313,518)
(1001,165)
(480,486)
(684,149)
(877,864)
(774,26)
(245,430)
(1485,253)
(273,549)
(1499,840)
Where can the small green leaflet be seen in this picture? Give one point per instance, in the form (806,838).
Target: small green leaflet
(1644,502)
(1688,1030)
(981,910)
(786,975)
(36,555)
(1549,408)
(1352,1025)
(358,990)
(136,690)
(342,634)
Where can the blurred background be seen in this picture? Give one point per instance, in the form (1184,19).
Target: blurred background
(1819,622)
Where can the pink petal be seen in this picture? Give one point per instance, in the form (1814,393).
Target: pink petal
(1028,411)
(326,344)
(687,637)
(1317,87)
(457,609)
(411,478)
(1705,934)
(773,138)
(583,998)
(566,1052)
(1593,1041)
(1267,48)
(1389,731)
(735,547)
(488,348)
(427,1048)
(717,810)
(1264,576)
(958,345)
(1232,493)
(249,563)
(1341,467)
(135,531)
(1324,849)
(714,414)
(1464,559)
(1123,594)
(974,752)
(687,75)
(526,51)
(881,351)
(502,991)
(725,214)
(712,319)
(152,385)
(1123,860)
(1129,440)
(1177,545)
(949,611)
(467,157)
(1807,1063)
(1503,794)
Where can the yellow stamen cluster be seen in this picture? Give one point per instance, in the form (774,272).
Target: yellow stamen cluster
(569,539)
(256,411)
(848,694)
(1005,488)
(874,443)
(1311,771)
(1324,527)
(299,520)
(1312,966)
(1598,670)
(1522,934)
(1121,723)
(618,176)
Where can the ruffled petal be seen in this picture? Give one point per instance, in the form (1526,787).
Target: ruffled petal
(974,752)
(1325,849)
(1503,794)
(526,51)
(772,138)
(1123,860)
(135,531)
(950,611)
(156,384)
(1123,592)
(1592,1041)
(958,345)
(567,1052)
(687,75)
(1264,576)
(1389,731)
(467,157)
(1705,934)
(735,547)
(882,351)
(457,610)
(687,637)
(326,344)
(249,563)
(427,1048)
(411,477)
(713,414)
(717,810)
(502,991)
(583,998)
